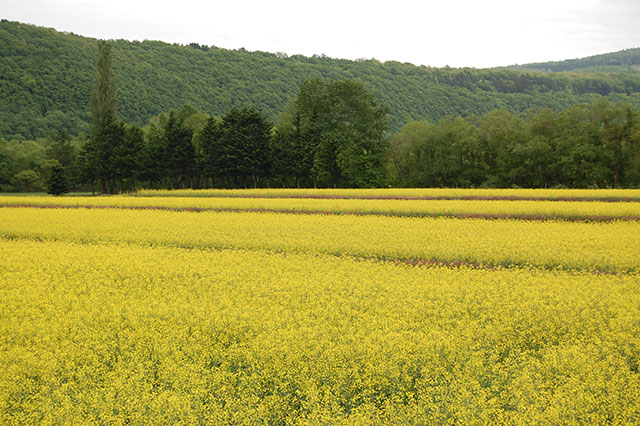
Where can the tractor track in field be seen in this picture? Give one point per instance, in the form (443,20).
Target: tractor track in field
(416,198)
(462,215)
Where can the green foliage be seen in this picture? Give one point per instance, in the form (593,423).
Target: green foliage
(63,151)
(57,183)
(212,150)
(245,137)
(103,95)
(343,124)
(292,152)
(5,164)
(180,153)
(25,155)
(27,180)
(585,146)
(107,133)
(128,154)
(48,75)
(623,61)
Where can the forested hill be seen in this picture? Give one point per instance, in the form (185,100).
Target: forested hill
(46,78)
(623,61)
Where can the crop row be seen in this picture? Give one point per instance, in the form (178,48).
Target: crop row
(536,210)
(606,246)
(118,334)
(414,193)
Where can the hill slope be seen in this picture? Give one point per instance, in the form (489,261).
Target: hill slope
(46,78)
(627,60)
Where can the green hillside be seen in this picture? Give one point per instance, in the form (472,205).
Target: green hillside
(623,61)
(46,78)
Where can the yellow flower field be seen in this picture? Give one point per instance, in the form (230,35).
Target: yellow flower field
(609,246)
(142,311)
(483,208)
(124,334)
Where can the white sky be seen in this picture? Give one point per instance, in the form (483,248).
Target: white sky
(474,33)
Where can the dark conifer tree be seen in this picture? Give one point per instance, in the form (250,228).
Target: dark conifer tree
(57,183)
(281,155)
(62,151)
(245,136)
(180,152)
(213,151)
(128,156)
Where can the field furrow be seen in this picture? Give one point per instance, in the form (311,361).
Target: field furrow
(497,209)
(602,195)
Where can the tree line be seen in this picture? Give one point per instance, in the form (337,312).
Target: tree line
(586,146)
(334,133)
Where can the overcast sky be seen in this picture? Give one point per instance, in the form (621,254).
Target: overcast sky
(474,33)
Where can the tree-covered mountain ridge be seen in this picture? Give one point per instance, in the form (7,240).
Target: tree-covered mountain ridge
(627,60)
(46,78)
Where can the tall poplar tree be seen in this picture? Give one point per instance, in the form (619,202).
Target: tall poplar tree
(103,116)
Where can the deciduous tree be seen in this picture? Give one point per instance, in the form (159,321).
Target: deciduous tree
(345,127)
